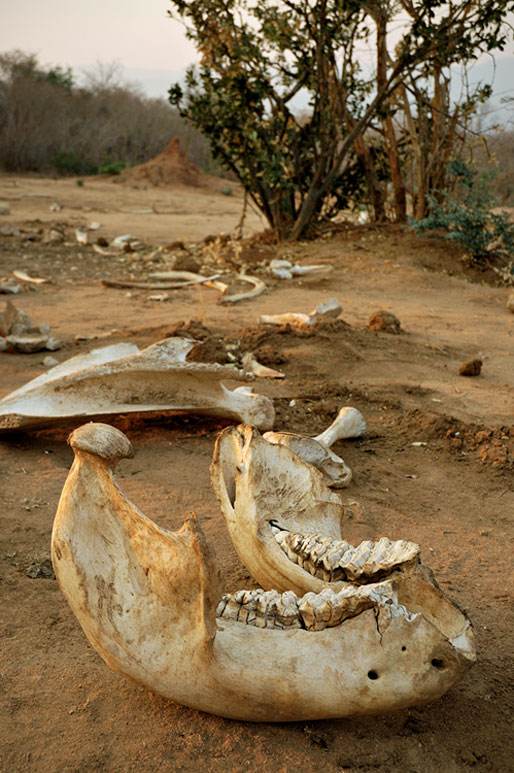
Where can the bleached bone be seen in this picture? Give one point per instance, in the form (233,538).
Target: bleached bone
(122,379)
(81,236)
(348,423)
(285,525)
(284,269)
(324,310)
(161,285)
(146,599)
(258,288)
(32,280)
(20,334)
(251,365)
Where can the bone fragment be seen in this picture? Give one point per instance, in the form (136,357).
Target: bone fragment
(21,335)
(121,379)
(32,280)
(348,423)
(146,599)
(330,308)
(258,288)
(284,269)
(164,285)
(251,365)
(80,236)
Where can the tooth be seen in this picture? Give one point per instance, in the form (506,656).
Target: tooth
(146,599)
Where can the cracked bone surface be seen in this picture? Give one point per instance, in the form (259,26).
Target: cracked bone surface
(121,379)
(348,423)
(147,601)
(328,309)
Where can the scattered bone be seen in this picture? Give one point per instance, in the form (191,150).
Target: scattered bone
(55,207)
(19,334)
(80,236)
(10,288)
(384,322)
(251,365)
(348,423)
(146,599)
(258,288)
(96,336)
(284,269)
(121,379)
(98,248)
(133,284)
(325,310)
(471,367)
(32,280)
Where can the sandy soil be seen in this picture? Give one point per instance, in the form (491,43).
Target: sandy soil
(61,708)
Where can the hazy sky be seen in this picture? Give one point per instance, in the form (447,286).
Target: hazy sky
(136,34)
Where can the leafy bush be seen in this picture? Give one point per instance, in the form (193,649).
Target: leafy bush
(72,162)
(466,214)
(112,167)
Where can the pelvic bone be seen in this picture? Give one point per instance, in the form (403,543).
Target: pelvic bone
(349,422)
(122,379)
(146,599)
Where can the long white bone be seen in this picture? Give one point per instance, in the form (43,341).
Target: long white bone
(348,423)
(122,379)
(325,310)
(146,599)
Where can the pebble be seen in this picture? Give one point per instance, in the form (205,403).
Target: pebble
(470,368)
(384,322)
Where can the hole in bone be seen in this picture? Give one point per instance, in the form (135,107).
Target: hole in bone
(439,664)
(372,675)
(333,560)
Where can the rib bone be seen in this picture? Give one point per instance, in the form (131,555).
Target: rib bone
(146,599)
(122,379)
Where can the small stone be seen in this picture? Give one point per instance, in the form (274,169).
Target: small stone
(4,208)
(510,302)
(49,362)
(470,368)
(468,757)
(384,322)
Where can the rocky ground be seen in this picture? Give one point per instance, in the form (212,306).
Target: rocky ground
(434,467)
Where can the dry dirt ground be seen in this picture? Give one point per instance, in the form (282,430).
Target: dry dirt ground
(435,467)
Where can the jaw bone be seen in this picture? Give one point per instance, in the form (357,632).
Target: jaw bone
(285,525)
(348,423)
(121,379)
(146,599)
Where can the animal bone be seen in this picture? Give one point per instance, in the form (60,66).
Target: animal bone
(251,365)
(33,280)
(285,525)
(122,379)
(349,422)
(324,310)
(21,335)
(284,269)
(258,288)
(160,285)
(146,599)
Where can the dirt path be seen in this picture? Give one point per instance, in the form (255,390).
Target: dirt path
(61,708)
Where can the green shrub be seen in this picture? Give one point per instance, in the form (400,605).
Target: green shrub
(112,167)
(466,215)
(72,162)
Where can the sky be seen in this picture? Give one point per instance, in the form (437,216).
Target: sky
(150,48)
